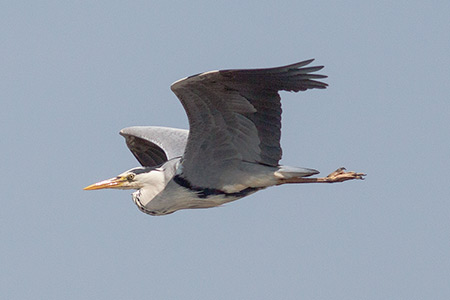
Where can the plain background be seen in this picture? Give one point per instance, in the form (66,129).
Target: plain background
(73,73)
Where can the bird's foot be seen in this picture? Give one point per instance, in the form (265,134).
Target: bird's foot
(341,175)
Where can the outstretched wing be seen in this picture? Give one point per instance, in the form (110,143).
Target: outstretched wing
(152,145)
(235,117)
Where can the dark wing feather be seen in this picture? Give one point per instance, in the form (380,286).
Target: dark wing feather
(152,145)
(234,117)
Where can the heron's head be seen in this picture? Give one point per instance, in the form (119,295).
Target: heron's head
(136,178)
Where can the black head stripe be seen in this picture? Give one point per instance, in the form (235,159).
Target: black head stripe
(141,170)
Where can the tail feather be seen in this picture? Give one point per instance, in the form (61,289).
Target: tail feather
(285,172)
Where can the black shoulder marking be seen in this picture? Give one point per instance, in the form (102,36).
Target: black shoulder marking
(205,192)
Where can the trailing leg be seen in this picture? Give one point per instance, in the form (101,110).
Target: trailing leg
(339,175)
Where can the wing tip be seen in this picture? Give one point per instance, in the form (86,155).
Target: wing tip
(299,65)
(177,83)
(125,132)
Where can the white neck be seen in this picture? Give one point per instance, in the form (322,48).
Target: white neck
(154,182)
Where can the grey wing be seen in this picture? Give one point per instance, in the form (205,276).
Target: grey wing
(235,118)
(153,145)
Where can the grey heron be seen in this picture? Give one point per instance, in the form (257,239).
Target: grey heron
(232,148)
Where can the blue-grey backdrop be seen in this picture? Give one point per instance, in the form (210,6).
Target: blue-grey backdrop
(73,73)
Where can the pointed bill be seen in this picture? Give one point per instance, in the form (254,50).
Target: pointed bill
(106,184)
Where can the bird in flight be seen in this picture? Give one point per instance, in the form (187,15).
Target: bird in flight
(232,148)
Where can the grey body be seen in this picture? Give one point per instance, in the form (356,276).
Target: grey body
(176,193)
(175,196)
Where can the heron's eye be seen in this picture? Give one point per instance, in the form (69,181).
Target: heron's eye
(130,177)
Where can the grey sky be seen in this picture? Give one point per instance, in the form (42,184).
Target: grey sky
(74,73)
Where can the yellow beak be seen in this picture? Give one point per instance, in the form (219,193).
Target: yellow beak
(112,183)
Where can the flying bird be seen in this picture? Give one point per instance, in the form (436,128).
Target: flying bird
(232,148)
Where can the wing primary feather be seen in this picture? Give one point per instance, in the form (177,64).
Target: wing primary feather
(235,117)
